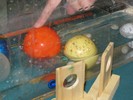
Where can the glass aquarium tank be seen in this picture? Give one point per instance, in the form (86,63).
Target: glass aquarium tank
(23,77)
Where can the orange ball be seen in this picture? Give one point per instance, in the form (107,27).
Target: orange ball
(41,43)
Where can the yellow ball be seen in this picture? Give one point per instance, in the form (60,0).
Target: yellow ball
(80,47)
(83,48)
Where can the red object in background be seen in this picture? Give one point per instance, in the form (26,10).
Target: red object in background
(49,77)
(41,43)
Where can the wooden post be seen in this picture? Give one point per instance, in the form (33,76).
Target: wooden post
(106,67)
(76,90)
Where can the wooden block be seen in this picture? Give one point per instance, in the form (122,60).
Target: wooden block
(76,91)
(106,67)
(111,88)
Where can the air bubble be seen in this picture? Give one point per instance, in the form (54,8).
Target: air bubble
(36,4)
(93,40)
(30,61)
(7,81)
(40,67)
(27,8)
(130,44)
(17,81)
(10,8)
(11,1)
(125,49)
(20,47)
(14,39)
(114,27)
(88,35)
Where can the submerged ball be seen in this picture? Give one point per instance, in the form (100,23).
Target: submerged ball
(80,47)
(42,42)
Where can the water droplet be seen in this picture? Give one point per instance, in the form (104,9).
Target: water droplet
(93,40)
(14,39)
(11,1)
(36,4)
(19,72)
(114,27)
(88,35)
(27,7)
(125,49)
(20,47)
(17,81)
(42,44)
(10,8)
(130,44)
(30,61)
(7,81)
(40,66)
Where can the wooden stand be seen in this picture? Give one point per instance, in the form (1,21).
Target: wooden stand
(70,80)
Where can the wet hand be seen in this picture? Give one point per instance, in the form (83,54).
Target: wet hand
(72,6)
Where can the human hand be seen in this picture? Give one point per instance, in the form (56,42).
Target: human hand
(72,6)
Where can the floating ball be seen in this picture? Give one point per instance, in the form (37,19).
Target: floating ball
(81,47)
(41,43)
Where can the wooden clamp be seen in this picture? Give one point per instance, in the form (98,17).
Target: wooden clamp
(70,80)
